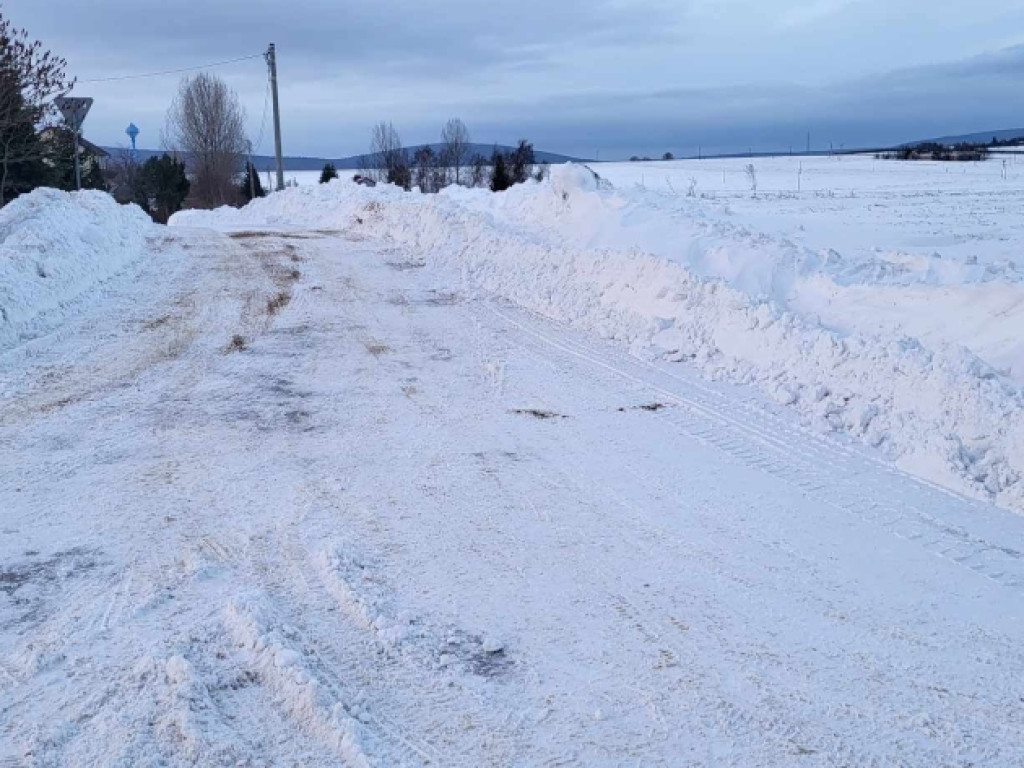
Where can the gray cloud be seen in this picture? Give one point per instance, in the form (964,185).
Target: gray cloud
(574,76)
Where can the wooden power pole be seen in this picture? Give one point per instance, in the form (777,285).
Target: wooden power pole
(272,64)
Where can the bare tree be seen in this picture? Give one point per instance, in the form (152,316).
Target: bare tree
(455,146)
(206,122)
(126,180)
(29,79)
(388,157)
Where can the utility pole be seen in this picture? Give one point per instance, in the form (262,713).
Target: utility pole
(78,159)
(272,64)
(250,171)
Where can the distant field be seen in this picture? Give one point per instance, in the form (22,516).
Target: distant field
(855,204)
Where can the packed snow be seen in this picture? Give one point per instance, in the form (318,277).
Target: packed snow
(917,354)
(358,482)
(55,247)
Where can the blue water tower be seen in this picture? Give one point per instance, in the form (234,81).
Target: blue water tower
(133,131)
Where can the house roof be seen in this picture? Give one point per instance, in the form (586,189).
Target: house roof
(51,132)
(93,149)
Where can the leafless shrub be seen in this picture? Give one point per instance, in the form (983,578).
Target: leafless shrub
(478,171)
(751,172)
(206,122)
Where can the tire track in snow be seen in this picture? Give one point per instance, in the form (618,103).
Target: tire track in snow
(832,475)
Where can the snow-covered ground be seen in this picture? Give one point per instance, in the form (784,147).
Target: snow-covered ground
(932,250)
(384,479)
(914,354)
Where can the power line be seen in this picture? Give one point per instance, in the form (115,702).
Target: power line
(171,71)
(263,120)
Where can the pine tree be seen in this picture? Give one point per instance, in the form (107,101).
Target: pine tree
(500,179)
(30,77)
(165,185)
(328,173)
(92,175)
(251,184)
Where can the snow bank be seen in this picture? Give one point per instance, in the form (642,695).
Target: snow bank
(619,266)
(55,246)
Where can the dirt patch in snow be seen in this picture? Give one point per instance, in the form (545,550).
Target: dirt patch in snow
(537,413)
(276,303)
(376,348)
(404,266)
(254,234)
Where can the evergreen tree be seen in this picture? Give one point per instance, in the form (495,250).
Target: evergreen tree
(251,184)
(500,178)
(165,185)
(92,175)
(30,77)
(328,173)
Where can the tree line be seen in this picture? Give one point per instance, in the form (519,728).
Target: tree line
(204,162)
(431,170)
(930,150)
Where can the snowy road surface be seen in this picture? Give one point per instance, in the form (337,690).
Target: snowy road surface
(298,500)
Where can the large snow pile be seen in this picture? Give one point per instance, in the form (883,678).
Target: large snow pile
(671,284)
(55,246)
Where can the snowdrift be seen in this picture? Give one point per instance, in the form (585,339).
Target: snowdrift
(55,246)
(670,285)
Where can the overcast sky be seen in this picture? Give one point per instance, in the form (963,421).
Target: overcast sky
(621,77)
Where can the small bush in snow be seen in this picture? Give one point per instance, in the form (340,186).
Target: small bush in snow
(751,172)
(328,173)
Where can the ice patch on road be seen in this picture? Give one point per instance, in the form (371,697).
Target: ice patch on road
(55,246)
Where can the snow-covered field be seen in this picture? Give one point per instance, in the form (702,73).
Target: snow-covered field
(574,475)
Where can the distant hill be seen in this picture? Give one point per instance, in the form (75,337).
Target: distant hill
(983,137)
(355,162)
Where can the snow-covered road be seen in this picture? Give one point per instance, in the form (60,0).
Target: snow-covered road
(301,500)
